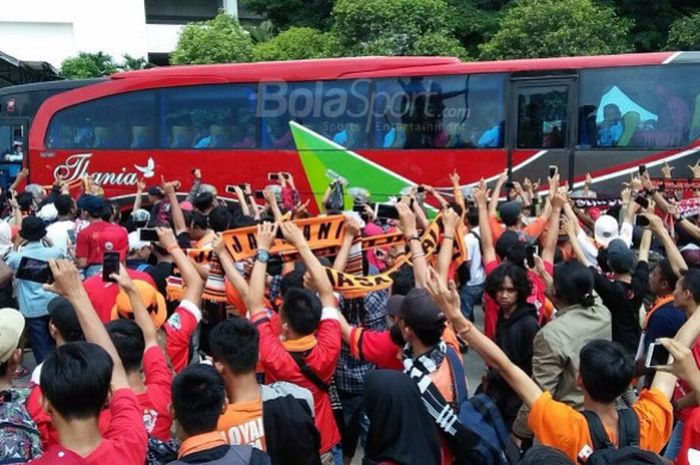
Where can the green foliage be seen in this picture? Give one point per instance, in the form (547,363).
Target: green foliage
(297,43)
(88,65)
(219,40)
(132,63)
(262,32)
(551,28)
(394,27)
(287,13)
(685,34)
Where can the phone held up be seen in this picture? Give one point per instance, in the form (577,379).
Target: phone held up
(110,265)
(31,269)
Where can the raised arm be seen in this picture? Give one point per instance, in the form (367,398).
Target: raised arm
(140,186)
(488,251)
(352,230)
(175,209)
(450,221)
(232,274)
(674,255)
(550,239)
(493,203)
(407,225)
(272,203)
(196,183)
(194,284)
(457,190)
(256,294)
(141,316)
(67,283)
(243,199)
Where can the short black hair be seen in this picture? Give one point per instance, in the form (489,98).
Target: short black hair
(128,339)
(203,201)
(606,369)
(198,394)
(429,336)
(667,273)
(76,378)
(301,309)
(403,280)
(195,219)
(220,219)
(235,342)
(64,204)
(574,283)
(294,278)
(107,210)
(691,283)
(25,200)
(65,320)
(540,455)
(517,275)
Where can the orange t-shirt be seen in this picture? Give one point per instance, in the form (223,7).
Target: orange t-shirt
(557,425)
(242,424)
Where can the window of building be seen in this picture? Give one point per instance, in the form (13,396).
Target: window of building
(641,107)
(542,113)
(179,11)
(208,117)
(118,122)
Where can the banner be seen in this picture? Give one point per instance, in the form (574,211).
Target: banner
(214,289)
(689,207)
(676,184)
(588,202)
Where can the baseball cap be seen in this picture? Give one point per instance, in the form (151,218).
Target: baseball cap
(417,309)
(11,329)
(155,191)
(92,204)
(606,229)
(152,299)
(140,216)
(510,212)
(620,256)
(64,318)
(508,243)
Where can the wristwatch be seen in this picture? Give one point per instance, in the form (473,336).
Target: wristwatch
(263,256)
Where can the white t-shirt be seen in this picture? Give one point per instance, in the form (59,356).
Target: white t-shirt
(476,267)
(58,234)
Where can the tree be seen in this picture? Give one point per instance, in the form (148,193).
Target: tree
(88,65)
(685,34)
(133,63)
(218,40)
(551,28)
(263,32)
(394,27)
(297,43)
(475,21)
(287,13)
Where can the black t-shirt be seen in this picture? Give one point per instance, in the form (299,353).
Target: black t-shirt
(624,301)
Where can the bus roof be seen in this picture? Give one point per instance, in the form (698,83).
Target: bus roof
(66,84)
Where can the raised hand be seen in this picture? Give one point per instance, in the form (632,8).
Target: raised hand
(267,232)
(666,170)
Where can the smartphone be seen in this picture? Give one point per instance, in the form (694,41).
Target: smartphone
(641,221)
(273,176)
(642,169)
(230,189)
(260,195)
(71,236)
(509,185)
(642,201)
(148,235)
(31,269)
(553,170)
(110,264)
(657,355)
(531,251)
(420,189)
(383,210)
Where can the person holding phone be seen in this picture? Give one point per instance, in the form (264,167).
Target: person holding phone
(61,232)
(99,237)
(33,299)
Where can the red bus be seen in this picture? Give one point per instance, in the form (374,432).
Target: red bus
(413,118)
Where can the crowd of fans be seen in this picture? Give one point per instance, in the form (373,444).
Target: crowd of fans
(183,354)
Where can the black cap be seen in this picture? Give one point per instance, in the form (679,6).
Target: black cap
(33,229)
(64,318)
(417,309)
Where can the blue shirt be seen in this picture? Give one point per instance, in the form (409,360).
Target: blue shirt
(490,137)
(32,297)
(608,137)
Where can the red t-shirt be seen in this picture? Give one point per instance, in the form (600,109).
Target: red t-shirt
(98,238)
(375,347)
(537,297)
(103,295)
(125,440)
(691,436)
(682,388)
(178,331)
(155,402)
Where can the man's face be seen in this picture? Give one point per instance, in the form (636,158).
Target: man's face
(506,294)
(656,284)
(681,297)
(611,114)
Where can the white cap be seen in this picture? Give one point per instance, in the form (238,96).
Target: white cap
(606,229)
(135,243)
(11,328)
(48,212)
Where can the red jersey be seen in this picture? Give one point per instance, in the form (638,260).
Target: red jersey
(682,388)
(155,402)
(178,331)
(375,347)
(125,440)
(691,436)
(98,238)
(322,359)
(103,295)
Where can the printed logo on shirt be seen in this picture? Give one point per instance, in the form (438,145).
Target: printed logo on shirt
(150,417)
(174,322)
(250,433)
(585,453)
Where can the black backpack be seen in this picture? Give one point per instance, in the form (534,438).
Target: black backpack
(627,452)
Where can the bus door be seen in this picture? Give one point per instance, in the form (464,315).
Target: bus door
(13,146)
(541,130)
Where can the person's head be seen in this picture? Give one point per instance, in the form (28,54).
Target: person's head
(25,200)
(198,399)
(403,280)
(11,330)
(510,213)
(686,294)
(33,229)
(512,246)
(64,325)
(64,204)
(509,286)
(611,113)
(220,219)
(37,191)
(155,194)
(203,201)
(75,381)
(301,312)
(605,230)
(93,205)
(197,224)
(234,346)
(544,455)
(620,257)
(138,249)
(128,339)
(573,285)
(606,370)
(140,217)
(418,317)
(662,279)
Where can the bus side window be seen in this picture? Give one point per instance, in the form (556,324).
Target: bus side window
(542,117)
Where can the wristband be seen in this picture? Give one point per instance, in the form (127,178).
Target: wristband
(417,255)
(450,238)
(415,237)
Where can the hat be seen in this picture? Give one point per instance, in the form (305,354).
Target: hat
(64,318)
(417,309)
(510,212)
(140,216)
(508,241)
(152,299)
(208,188)
(11,329)
(620,256)
(48,212)
(155,191)
(93,204)
(606,229)
(359,195)
(33,229)
(135,243)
